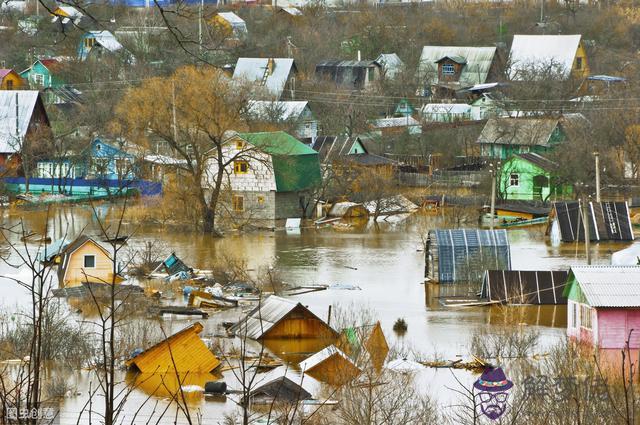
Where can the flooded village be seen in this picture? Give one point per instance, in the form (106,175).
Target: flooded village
(319,213)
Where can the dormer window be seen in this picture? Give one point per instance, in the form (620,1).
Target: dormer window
(448,69)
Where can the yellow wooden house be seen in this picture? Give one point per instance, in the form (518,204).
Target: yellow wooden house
(10,80)
(182,352)
(85,261)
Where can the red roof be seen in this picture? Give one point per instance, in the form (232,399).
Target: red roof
(49,62)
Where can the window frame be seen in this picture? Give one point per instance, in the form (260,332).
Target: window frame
(448,69)
(38,79)
(579,63)
(238,165)
(84,261)
(512,179)
(237,203)
(585,317)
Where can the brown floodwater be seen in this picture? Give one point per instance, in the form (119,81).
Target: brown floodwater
(386,262)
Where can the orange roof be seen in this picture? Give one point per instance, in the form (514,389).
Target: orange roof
(183,349)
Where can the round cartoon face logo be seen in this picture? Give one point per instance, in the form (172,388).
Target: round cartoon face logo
(493,393)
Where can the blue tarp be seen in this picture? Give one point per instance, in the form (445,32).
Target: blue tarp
(464,254)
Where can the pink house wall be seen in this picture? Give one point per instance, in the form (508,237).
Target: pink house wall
(614,326)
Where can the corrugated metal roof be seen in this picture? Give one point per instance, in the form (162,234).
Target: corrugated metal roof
(256,70)
(529,52)
(285,109)
(9,137)
(232,18)
(395,122)
(106,40)
(518,131)
(265,316)
(391,64)
(609,286)
(478,62)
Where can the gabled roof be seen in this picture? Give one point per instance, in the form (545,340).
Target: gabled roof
(277,143)
(269,312)
(105,39)
(183,351)
(518,131)
(257,70)
(280,389)
(330,148)
(322,356)
(475,71)
(27,101)
(531,52)
(391,63)
(5,72)
(538,160)
(285,109)
(607,286)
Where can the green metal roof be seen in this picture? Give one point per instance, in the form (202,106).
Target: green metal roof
(296,166)
(277,143)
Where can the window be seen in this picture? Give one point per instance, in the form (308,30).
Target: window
(239,145)
(240,167)
(448,69)
(238,203)
(514,179)
(585,315)
(89,261)
(9,84)
(100,165)
(89,42)
(38,79)
(574,315)
(371,74)
(122,166)
(260,200)
(578,63)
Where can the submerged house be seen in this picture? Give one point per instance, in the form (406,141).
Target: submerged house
(281,318)
(182,352)
(603,305)
(447,69)
(272,175)
(365,345)
(279,390)
(536,287)
(23,114)
(462,255)
(330,365)
(272,78)
(531,177)
(85,261)
(536,57)
(608,221)
(350,75)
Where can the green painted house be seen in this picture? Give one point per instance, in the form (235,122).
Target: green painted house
(502,137)
(43,74)
(530,176)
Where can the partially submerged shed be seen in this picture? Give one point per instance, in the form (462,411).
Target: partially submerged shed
(183,351)
(277,317)
(462,255)
(348,210)
(524,286)
(173,265)
(608,221)
(330,365)
(365,342)
(279,390)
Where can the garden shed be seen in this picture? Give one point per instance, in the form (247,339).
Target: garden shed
(462,255)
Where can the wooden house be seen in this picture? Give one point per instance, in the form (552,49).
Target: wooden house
(297,113)
(85,260)
(330,365)
(230,25)
(447,69)
(462,255)
(604,305)
(535,57)
(26,109)
(365,345)
(272,175)
(43,73)
(530,176)
(271,78)
(277,317)
(536,287)
(350,74)
(183,351)
(10,80)
(96,44)
(608,221)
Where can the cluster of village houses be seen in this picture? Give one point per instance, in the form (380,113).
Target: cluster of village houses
(603,301)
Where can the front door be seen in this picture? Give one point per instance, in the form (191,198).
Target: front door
(539,183)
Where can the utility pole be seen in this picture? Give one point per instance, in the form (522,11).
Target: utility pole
(173,111)
(200,24)
(597,156)
(493,170)
(587,230)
